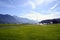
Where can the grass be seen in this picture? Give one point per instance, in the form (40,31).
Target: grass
(30,32)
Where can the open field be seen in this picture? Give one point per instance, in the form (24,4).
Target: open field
(29,32)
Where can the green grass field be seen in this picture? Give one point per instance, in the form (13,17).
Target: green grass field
(29,32)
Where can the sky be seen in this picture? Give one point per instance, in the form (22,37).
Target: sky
(31,9)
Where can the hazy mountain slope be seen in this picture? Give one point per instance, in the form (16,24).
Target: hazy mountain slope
(8,19)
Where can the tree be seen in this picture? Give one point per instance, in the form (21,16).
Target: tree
(54,21)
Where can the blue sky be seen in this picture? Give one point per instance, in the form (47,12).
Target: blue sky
(31,9)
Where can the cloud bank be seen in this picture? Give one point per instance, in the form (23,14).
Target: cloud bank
(39,16)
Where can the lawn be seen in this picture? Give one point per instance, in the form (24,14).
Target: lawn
(29,32)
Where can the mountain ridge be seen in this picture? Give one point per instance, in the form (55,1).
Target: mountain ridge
(8,19)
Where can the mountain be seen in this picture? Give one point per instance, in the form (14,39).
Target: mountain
(49,21)
(8,19)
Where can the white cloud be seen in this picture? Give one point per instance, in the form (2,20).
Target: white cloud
(29,3)
(52,8)
(32,4)
(35,3)
(40,16)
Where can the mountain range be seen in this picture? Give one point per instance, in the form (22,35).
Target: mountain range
(8,19)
